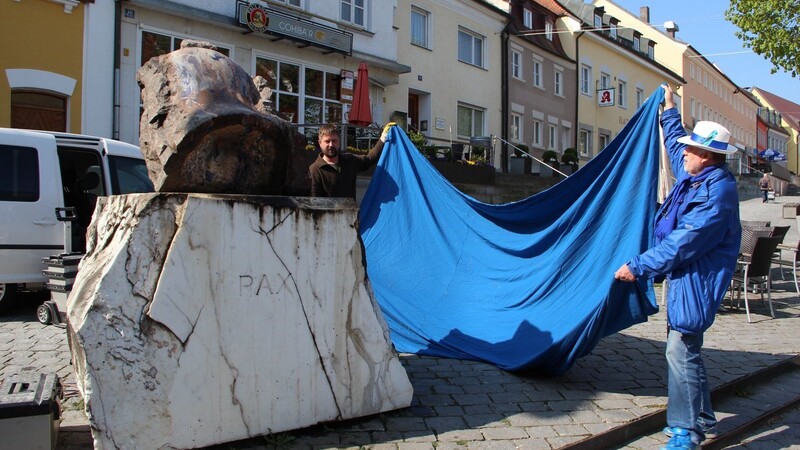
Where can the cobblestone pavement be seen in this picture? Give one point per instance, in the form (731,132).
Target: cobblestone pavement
(470,405)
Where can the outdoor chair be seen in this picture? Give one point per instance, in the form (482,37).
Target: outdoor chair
(754,269)
(755,223)
(790,260)
(749,237)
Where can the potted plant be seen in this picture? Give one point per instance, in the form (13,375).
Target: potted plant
(550,158)
(569,161)
(517,162)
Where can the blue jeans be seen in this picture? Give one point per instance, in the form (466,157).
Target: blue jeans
(689,398)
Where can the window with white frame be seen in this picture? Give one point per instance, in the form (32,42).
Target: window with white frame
(605,80)
(470,121)
(558,82)
(527,19)
(290,2)
(536,131)
(636,42)
(354,11)
(552,137)
(603,140)
(584,142)
(548,30)
(586,79)
(318,101)
(639,97)
(691,107)
(516,128)
(470,48)
(516,64)
(613,30)
(419,27)
(651,50)
(598,21)
(566,137)
(537,73)
(622,94)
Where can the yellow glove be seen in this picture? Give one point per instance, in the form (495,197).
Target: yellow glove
(386,129)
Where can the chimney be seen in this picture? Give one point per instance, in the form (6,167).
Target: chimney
(644,13)
(671,27)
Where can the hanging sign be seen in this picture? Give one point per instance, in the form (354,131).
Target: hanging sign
(605,97)
(346,86)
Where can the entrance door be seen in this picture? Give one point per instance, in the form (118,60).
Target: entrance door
(413,112)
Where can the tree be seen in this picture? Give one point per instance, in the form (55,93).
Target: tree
(771,28)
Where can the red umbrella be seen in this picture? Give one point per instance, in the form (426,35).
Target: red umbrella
(360,112)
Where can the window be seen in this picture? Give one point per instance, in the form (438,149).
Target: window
(527,19)
(604,138)
(622,95)
(639,97)
(516,64)
(598,21)
(470,121)
(651,50)
(318,101)
(290,2)
(470,48)
(537,133)
(537,73)
(419,27)
(605,81)
(566,137)
(558,84)
(637,42)
(586,79)
(691,106)
(354,11)
(552,137)
(548,30)
(155,44)
(19,174)
(516,128)
(584,142)
(613,30)
(128,175)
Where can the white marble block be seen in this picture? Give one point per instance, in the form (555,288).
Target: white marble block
(199,319)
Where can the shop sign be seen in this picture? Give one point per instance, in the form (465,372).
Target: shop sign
(281,24)
(605,97)
(346,87)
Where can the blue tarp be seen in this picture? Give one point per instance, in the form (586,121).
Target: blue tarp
(528,285)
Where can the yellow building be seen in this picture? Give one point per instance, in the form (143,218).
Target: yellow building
(53,50)
(618,68)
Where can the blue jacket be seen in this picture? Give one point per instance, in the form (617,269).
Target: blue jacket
(699,256)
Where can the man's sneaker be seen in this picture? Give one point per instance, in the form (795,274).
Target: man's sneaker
(710,434)
(681,440)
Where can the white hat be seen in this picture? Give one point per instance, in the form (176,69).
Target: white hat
(710,136)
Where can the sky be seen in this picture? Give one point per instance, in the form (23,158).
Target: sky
(702,24)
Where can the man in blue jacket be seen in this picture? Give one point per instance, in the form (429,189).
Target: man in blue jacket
(696,243)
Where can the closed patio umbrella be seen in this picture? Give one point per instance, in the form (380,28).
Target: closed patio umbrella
(360,112)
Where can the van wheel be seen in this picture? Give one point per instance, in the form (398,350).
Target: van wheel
(43,314)
(8,292)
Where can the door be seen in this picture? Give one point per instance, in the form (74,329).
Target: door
(413,112)
(30,190)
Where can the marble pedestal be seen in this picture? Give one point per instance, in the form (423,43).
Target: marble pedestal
(199,319)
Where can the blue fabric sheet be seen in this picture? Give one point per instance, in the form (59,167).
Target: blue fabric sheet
(528,285)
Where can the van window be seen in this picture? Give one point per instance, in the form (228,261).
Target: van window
(19,174)
(128,176)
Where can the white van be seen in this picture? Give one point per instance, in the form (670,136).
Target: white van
(42,171)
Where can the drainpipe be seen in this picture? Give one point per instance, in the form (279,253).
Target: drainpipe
(577,86)
(117,45)
(504,99)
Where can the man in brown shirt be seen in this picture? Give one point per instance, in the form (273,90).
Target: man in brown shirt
(334,173)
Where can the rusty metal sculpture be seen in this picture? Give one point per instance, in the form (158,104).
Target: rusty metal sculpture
(204,127)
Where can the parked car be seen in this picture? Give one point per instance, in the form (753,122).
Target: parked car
(48,174)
